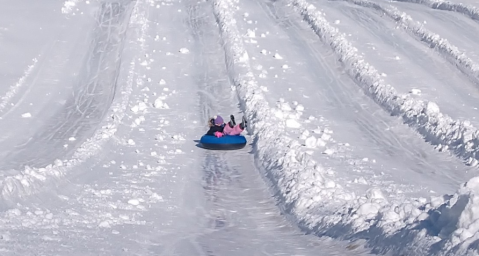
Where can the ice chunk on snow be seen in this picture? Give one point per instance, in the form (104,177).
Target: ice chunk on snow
(184,50)
(325,137)
(133,202)
(369,210)
(304,135)
(142,106)
(58,162)
(374,193)
(415,91)
(26,115)
(264,52)
(277,56)
(291,123)
(432,108)
(300,108)
(131,142)
(134,109)
(251,33)
(311,142)
(328,151)
(160,104)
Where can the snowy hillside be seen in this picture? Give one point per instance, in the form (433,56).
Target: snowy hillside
(362,137)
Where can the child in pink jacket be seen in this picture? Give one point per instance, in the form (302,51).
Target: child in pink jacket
(218,128)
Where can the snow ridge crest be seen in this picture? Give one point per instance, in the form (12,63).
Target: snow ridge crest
(444,225)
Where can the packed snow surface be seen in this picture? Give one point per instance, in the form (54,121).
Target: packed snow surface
(362,127)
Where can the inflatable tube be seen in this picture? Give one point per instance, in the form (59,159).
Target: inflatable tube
(223,143)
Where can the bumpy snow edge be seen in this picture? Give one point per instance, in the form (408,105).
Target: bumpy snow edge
(414,227)
(446,133)
(433,223)
(281,157)
(31,180)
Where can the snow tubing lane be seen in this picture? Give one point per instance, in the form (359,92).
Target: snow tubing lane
(223,143)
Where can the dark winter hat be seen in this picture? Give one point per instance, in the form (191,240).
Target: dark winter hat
(218,120)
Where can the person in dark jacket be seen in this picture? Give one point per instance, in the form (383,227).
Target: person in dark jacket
(218,128)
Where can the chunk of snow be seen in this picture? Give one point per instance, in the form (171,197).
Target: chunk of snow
(277,56)
(134,202)
(320,143)
(58,162)
(26,115)
(310,142)
(328,151)
(104,224)
(432,109)
(415,91)
(184,50)
(135,109)
(300,108)
(291,123)
(160,104)
(142,106)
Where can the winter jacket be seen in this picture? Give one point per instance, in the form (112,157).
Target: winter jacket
(214,129)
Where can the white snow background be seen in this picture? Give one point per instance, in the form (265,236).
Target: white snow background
(362,134)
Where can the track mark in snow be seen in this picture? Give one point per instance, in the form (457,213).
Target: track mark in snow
(12,91)
(29,180)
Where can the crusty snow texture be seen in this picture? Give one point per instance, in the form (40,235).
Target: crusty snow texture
(445,225)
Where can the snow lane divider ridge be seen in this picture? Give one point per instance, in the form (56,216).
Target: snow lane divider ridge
(447,222)
(287,167)
(30,180)
(460,138)
(450,52)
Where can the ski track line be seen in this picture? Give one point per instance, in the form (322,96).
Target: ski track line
(31,180)
(411,227)
(468,10)
(12,91)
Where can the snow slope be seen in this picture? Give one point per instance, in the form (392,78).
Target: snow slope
(139,185)
(361,125)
